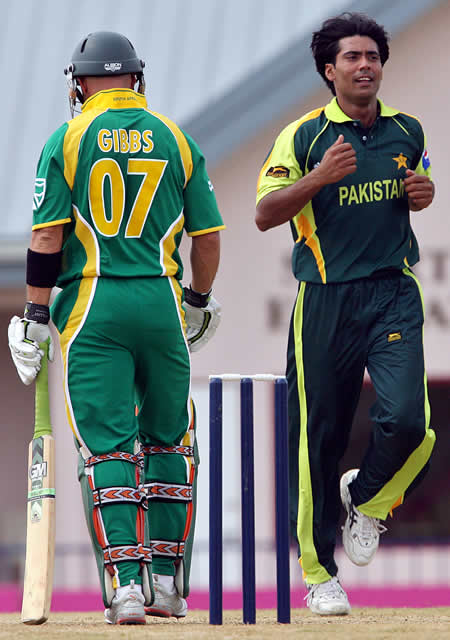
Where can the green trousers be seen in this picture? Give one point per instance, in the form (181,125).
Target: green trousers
(337,331)
(123,346)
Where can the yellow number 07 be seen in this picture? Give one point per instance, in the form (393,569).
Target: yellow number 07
(152,172)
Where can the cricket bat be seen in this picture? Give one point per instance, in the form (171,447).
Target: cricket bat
(40,547)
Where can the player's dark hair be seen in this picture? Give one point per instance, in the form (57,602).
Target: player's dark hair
(325,42)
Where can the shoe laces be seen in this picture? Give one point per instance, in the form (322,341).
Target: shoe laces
(368,527)
(329,590)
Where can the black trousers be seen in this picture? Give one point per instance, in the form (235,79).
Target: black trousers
(337,331)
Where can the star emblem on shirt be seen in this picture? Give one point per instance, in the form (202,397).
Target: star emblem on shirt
(401,161)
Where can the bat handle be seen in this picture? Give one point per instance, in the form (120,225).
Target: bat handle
(42,422)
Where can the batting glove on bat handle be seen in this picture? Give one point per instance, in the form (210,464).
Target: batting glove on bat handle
(24,336)
(202,315)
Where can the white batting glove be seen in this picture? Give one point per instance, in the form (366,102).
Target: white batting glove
(202,315)
(24,337)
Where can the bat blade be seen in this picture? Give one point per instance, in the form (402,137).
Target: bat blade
(39,561)
(40,545)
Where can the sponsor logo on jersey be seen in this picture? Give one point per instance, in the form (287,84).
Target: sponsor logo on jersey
(39,192)
(278,172)
(401,161)
(113,66)
(425,160)
(210,185)
(393,337)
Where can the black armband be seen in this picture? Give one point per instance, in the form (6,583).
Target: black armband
(43,268)
(195,298)
(37,313)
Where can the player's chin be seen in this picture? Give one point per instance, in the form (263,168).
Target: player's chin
(365,88)
(364,94)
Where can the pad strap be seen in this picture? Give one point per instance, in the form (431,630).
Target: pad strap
(167,548)
(118,553)
(180,449)
(137,458)
(113,554)
(119,495)
(169,491)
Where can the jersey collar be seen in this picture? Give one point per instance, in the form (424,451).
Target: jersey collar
(334,112)
(115,99)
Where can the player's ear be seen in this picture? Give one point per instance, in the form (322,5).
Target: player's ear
(330,72)
(83,85)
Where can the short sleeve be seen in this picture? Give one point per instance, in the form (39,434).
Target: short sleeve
(52,198)
(201,213)
(281,167)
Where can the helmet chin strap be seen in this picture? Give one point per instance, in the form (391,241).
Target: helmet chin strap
(75,96)
(75,92)
(141,86)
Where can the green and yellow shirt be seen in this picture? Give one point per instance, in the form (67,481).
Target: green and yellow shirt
(125,181)
(361,224)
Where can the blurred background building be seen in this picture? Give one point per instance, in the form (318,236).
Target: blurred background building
(232,74)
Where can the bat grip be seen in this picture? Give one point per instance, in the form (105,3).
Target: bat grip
(42,422)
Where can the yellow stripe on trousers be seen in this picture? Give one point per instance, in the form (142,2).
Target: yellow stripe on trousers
(314,572)
(381,504)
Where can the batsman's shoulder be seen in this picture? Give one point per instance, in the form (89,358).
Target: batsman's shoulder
(58,135)
(55,141)
(167,122)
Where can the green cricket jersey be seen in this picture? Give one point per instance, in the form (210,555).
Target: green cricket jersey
(361,224)
(125,181)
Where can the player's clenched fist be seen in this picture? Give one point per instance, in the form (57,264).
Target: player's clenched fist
(420,190)
(338,161)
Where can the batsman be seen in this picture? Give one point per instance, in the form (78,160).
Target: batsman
(116,187)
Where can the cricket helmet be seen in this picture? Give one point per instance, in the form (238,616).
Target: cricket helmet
(102,53)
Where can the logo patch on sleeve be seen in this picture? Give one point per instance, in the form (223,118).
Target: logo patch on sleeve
(278,172)
(425,160)
(394,336)
(40,185)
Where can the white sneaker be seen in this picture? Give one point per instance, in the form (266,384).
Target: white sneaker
(361,533)
(327,598)
(127,606)
(168,601)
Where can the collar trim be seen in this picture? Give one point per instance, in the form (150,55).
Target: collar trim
(115,99)
(334,112)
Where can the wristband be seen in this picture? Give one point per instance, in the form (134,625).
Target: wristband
(37,313)
(43,268)
(195,298)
